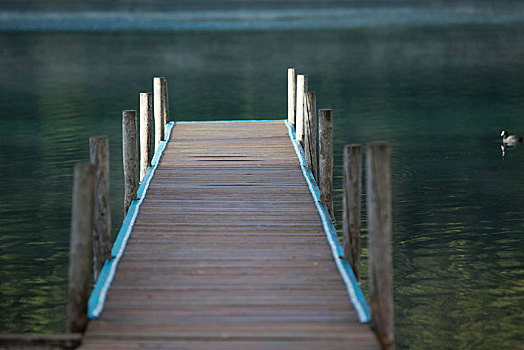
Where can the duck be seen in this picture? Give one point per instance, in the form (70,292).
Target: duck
(510,139)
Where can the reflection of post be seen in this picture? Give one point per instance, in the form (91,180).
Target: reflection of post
(310,135)
(80,248)
(291,95)
(146,140)
(99,149)
(165,104)
(351,202)
(130,157)
(378,173)
(301,94)
(325,159)
(158,106)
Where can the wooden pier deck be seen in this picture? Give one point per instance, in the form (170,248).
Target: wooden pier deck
(228,251)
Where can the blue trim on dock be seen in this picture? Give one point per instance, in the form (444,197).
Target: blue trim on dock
(354,291)
(98,296)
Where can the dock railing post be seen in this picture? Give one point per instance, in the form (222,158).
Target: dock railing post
(146,132)
(165,104)
(81,247)
(302,87)
(378,174)
(291,95)
(129,157)
(310,135)
(351,206)
(159,110)
(99,154)
(325,159)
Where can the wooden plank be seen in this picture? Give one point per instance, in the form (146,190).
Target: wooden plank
(228,251)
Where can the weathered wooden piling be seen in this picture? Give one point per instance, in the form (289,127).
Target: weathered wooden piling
(130,157)
(99,154)
(165,105)
(81,247)
(159,110)
(291,95)
(310,135)
(352,205)
(302,87)
(378,174)
(146,132)
(325,159)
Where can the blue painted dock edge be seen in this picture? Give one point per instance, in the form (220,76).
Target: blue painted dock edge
(98,295)
(353,287)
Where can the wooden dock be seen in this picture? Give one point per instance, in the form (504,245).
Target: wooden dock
(228,251)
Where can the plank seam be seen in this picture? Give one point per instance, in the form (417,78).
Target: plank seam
(97,299)
(353,287)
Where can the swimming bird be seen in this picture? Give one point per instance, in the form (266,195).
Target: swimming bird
(510,139)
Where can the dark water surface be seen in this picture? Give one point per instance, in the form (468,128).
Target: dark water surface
(439,93)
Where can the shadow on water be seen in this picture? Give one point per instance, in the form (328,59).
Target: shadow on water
(440,94)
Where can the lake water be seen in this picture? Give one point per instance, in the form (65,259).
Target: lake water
(437,81)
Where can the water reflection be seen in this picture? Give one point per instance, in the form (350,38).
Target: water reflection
(509,141)
(507,148)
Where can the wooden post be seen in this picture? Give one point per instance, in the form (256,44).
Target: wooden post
(81,247)
(310,135)
(146,132)
(378,173)
(325,159)
(158,104)
(130,157)
(302,82)
(291,95)
(99,151)
(352,205)
(166,103)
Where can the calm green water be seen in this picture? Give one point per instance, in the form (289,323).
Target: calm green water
(440,93)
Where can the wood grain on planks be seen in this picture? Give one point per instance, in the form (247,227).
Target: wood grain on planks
(228,252)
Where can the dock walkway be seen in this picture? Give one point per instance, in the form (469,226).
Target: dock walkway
(228,251)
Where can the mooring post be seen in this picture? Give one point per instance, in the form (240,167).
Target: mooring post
(291,95)
(166,103)
(158,106)
(378,174)
(81,247)
(302,82)
(99,152)
(325,159)
(146,132)
(351,206)
(310,134)
(130,157)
